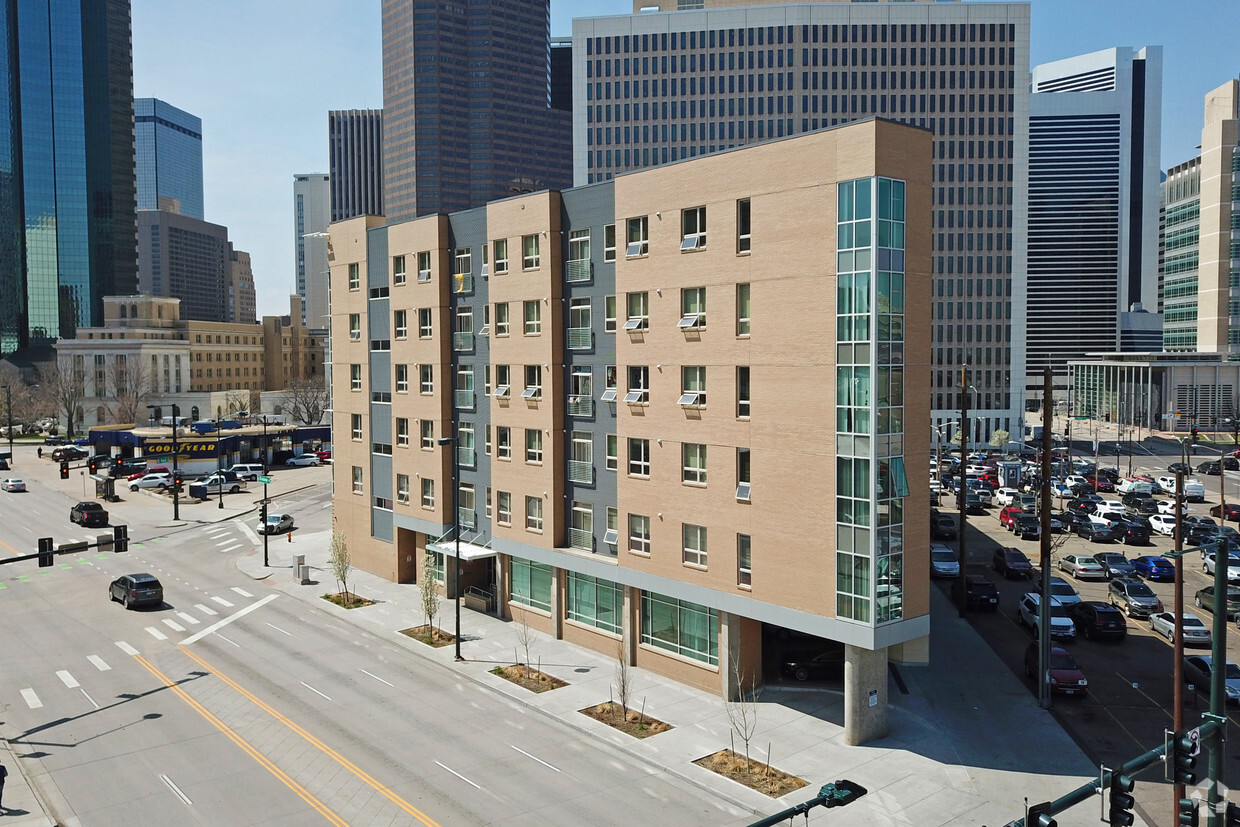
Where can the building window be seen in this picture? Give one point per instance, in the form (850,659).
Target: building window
(533,317)
(402,488)
(742,474)
(531,583)
(533,513)
(639,457)
(638,305)
(693,456)
(503,381)
(581,526)
(357,479)
(744,564)
(503,442)
(579,246)
(466,505)
(428,493)
(402,431)
(533,382)
(609,242)
(355,327)
(428,434)
(533,445)
(639,534)
(742,391)
(638,237)
(425,328)
(355,276)
(612,534)
(427,378)
(500,249)
(355,377)
(692,308)
(613,452)
(501,319)
(595,602)
(529,252)
(687,629)
(742,310)
(692,386)
(400,321)
(463,268)
(503,507)
(609,314)
(402,378)
(639,385)
(742,225)
(356,430)
(424,266)
(398,273)
(692,228)
(694,544)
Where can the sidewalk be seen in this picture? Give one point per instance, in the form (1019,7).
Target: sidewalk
(968,742)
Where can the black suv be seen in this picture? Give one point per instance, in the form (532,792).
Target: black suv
(979,592)
(1093,618)
(1140,504)
(1027,526)
(88,514)
(942,527)
(140,589)
(1012,562)
(1132,533)
(68,452)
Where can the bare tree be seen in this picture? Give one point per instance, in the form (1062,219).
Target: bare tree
(63,385)
(238,400)
(129,382)
(306,400)
(430,595)
(743,710)
(526,635)
(341,562)
(624,678)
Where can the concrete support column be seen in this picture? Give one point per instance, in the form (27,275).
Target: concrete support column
(730,656)
(865,694)
(632,628)
(503,573)
(558,581)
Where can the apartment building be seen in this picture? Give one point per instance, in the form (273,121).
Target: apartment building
(674,406)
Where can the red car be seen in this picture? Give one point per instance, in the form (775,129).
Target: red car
(1066,676)
(323,456)
(1008,516)
(1101,483)
(1233,511)
(164,469)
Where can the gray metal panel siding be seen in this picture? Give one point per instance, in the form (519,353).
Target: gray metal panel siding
(381,524)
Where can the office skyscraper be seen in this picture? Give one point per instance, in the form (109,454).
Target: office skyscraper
(660,86)
(1094,168)
(168,150)
(355,160)
(67,227)
(192,260)
(467,114)
(311,208)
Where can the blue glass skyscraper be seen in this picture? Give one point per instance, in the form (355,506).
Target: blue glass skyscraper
(168,149)
(68,235)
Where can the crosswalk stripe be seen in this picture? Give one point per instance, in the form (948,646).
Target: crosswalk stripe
(222,542)
(230,547)
(190,619)
(126,648)
(205,609)
(67,679)
(155,633)
(173,625)
(220,600)
(241,591)
(99,663)
(32,700)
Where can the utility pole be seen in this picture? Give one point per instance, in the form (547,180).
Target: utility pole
(1177,679)
(1044,502)
(961,492)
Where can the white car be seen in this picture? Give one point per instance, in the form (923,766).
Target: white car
(1233,566)
(1196,633)
(1082,566)
(1164,524)
(1062,591)
(1073,480)
(161,481)
(1111,505)
(13,484)
(1005,496)
(1168,507)
(302,459)
(1167,483)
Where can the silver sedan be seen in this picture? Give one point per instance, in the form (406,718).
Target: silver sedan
(1196,633)
(1082,567)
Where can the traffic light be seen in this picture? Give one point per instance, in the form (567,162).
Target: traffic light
(1121,800)
(64,470)
(1183,762)
(120,538)
(1194,432)
(46,555)
(1186,812)
(1039,816)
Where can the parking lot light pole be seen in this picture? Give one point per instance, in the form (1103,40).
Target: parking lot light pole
(219,462)
(176,451)
(962,489)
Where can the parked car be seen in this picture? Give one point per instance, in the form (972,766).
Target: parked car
(1198,670)
(1082,566)
(1007,517)
(1196,633)
(1177,467)
(943,527)
(1027,526)
(150,469)
(1064,591)
(1061,626)
(55,440)
(978,592)
(88,514)
(324,456)
(1154,567)
(1096,532)
(276,524)
(12,484)
(1167,507)
(1095,619)
(159,480)
(247,470)
(225,482)
(1204,599)
(1066,676)
(1133,597)
(1012,562)
(1115,564)
(1164,524)
(134,590)
(127,468)
(1210,468)
(1005,496)
(828,664)
(69,453)
(943,561)
(302,459)
(1230,511)
(1060,523)
(973,502)
(1140,504)
(1132,533)
(1233,565)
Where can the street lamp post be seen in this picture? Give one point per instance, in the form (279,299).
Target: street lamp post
(8,407)
(176,451)
(219,462)
(456,531)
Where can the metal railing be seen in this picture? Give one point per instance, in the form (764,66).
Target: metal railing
(464,399)
(463,341)
(580,471)
(463,283)
(577,270)
(579,338)
(581,539)
(467,517)
(580,406)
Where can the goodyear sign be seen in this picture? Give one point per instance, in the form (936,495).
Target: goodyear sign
(185,450)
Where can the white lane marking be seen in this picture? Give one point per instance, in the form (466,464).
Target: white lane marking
(67,679)
(89,698)
(126,648)
(99,663)
(241,591)
(173,625)
(155,633)
(226,640)
(229,548)
(249,532)
(312,689)
(190,619)
(32,700)
(217,532)
(458,775)
(539,760)
(225,541)
(379,679)
(221,601)
(176,790)
(278,629)
(207,610)
(220,623)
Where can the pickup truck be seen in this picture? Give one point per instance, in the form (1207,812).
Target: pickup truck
(226,482)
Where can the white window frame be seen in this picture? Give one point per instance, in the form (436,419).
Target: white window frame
(692,308)
(359,481)
(531,321)
(609,314)
(503,381)
(503,442)
(639,457)
(402,378)
(530,253)
(692,229)
(533,514)
(613,452)
(355,377)
(427,434)
(503,325)
(637,236)
(424,266)
(503,507)
(637,305)
(692,386)
(609,242)
(402,489)
(638,386)
(400,323)
(402,431)
(426,323)
(693,463)
(744,222)
(428,493)
(426,379)
(744,392)
(744,309)
(355,327)
(533,382)
(355,276)
(499,252)
(744,560)
(533,446)
(744,472)
(355,427)
(398,270)
(639,534)
(694,545)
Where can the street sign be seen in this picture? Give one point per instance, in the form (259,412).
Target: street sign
(1195,737)
(264,480)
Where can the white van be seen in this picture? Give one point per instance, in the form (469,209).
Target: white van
(1194,490)
(247,470)
(1134,486)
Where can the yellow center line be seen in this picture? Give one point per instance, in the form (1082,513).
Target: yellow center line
(324,748)
(10,548)
(241,742)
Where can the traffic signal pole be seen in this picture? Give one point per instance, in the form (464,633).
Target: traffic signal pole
(1044,501)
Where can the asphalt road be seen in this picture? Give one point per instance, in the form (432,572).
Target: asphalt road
(232,704)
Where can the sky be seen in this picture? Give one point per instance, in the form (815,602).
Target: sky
(262,75)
